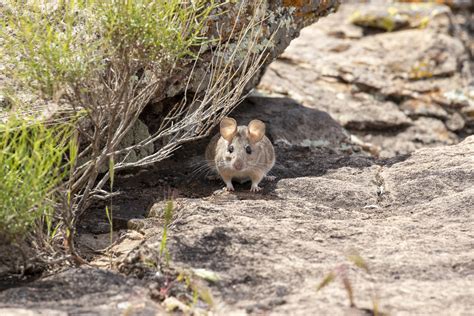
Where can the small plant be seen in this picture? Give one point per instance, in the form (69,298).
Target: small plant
(33,164)
(199,290)
(341,273)
(167,217)
(192,279)
(109,210)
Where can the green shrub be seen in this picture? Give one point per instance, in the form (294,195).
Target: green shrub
(32,164)
(107,59)
(52,46)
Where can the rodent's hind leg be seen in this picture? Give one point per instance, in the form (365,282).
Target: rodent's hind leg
(256,178)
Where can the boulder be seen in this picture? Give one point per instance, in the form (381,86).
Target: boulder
(397,16)
(283,21)
(378,84)
(424,132)
(291,123)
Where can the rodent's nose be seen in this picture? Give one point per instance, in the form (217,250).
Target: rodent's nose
(238,164)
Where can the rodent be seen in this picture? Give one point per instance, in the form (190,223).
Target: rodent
(241,153)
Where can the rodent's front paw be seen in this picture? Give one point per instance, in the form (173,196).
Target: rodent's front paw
(270,178)
(229,188)
(255,188)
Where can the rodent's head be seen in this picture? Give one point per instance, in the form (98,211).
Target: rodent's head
(241,147)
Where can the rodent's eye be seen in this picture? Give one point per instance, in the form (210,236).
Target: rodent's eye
(230,149)
(248,149)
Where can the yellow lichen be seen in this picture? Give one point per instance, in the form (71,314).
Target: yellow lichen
(421,70)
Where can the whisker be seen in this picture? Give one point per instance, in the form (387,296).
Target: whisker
(200,171)
(201,168)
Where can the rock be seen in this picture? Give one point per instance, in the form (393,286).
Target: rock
(459,98)
(372,115)
(423,107)
(441,175)
(353,111)
(466,29)
(379,83)
(292,123)
(27,312)
(469,113)
(17,262)
(455,122)
(4,104)
(172,304)
(431,131)
(396,57)
(80,291)
(283,18)
(397,16)
(425,132)
(138,132)
(456,4)
(139,261)
(466,98)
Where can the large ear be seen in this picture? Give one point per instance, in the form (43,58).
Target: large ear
(256,131)
(228,128)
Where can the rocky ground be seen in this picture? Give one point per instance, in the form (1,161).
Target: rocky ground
(374,156)
(395,91)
